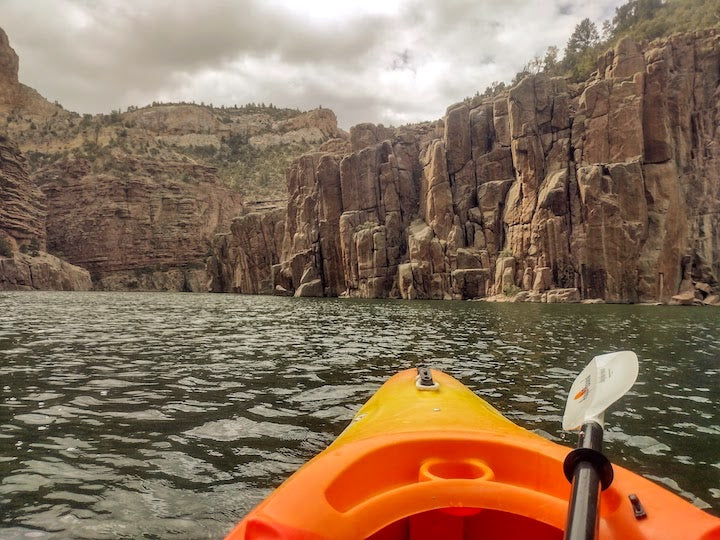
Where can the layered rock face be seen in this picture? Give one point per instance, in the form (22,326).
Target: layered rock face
(24,264)
(139,224)
(22,213)
(609,188)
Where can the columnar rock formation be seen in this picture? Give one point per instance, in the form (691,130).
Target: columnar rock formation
(23,261)
(607,189)
(242,259)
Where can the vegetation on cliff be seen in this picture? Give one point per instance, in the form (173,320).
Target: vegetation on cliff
(251,146)
(642,20)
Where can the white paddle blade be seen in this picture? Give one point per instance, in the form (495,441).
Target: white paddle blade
(605,380)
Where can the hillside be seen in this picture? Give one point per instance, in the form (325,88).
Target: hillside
(250,146)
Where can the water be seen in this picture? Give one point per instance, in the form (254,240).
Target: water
(171,415)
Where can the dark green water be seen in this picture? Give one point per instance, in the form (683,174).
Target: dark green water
(170,415)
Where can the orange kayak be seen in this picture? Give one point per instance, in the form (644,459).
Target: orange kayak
(441,463)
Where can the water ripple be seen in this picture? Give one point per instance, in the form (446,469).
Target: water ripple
(170,415)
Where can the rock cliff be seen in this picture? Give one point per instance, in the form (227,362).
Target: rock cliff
(136,224)
(24,264)
(242,259)
(603,190)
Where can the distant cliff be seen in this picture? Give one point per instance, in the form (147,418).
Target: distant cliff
(607,190)
(136,224)
(24,264)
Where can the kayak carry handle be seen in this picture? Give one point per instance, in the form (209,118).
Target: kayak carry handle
(424,379)
(425,376)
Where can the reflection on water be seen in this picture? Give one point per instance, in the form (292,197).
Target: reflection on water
(170,415)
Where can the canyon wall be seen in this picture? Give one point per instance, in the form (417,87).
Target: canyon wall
(136,197)
(24,264)
(136,224)
(609,189)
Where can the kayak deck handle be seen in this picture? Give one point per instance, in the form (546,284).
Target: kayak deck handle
(424,379)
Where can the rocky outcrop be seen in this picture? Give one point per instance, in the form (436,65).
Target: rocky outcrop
(24,265)
(316,126)
(607,190)
(9,64)
(136,224)
(242,260)
(15,96)
(41,271)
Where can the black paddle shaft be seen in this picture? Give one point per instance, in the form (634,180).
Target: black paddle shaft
(589,470)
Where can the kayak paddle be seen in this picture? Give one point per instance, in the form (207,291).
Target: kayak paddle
(606,379)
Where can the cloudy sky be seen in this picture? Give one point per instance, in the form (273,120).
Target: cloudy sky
(388,61)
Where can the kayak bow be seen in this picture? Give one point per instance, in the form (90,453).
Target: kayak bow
(423,461)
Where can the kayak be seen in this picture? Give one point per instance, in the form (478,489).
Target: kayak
(438,462)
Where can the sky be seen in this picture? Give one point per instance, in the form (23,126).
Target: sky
(382,61)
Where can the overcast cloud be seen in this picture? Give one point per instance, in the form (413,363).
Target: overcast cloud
(382,61)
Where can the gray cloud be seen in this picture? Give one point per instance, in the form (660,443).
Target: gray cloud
(369,61)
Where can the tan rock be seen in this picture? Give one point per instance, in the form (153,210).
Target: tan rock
(364,135)
(242,260)
(406,282)
(683,299)
(607,105)
(42,272)
(501,121)
(704,288)
(614,232)
(527,279)
(563,296)
(9,64)
(470,283)
(504,273)
(457,138)
(469,258)
(282,291)
(436,192)
(627,59)
(310,289)
(542,280)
